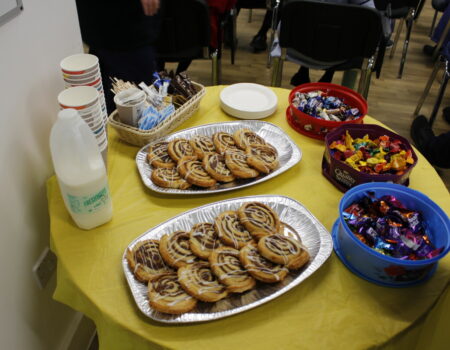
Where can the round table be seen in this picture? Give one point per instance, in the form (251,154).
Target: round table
(331,309)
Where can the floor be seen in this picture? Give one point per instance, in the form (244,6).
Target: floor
(391,100)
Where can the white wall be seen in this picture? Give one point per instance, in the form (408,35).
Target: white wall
(31,46)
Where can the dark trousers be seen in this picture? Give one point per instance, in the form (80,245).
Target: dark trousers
(438,150)
(135,66)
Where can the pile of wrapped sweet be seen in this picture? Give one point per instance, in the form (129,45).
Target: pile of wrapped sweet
(390,228)
(319,104)
(382,155)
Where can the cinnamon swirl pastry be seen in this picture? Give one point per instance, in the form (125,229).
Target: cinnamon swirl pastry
(203,239)
(231,232)
(263,158)
(166,295)
(283,250)
(259,267)
(169,178)
(226,266)
(175,250)
(202,145)
(146,262)
(214,164)
(246,137)
(224,141)
(159,157)
(179,148)
(194,173)
(236,161)
(199,281)
(259,219)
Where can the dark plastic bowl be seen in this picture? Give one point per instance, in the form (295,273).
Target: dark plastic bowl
(343,176)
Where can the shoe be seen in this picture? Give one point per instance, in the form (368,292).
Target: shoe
(421,134)
(299,79)
(446,114)
(428,50)
(259,43)
(389,44)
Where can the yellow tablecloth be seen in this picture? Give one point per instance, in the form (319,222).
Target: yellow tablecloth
(331,309)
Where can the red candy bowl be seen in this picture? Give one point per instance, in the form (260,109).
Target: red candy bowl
(343,176)
(318,128)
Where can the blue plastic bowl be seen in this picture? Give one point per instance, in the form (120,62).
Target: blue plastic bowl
(382,269)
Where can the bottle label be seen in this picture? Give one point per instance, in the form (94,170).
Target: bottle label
(88,204)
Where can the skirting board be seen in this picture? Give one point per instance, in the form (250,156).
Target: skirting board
(80,333)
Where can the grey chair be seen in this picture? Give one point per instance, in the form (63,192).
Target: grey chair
(327,35)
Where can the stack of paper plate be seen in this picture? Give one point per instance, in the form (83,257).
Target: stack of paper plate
(248,101)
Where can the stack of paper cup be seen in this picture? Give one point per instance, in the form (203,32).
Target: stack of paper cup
(86,100)
(83,70)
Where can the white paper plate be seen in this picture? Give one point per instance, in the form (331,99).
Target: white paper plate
(248,101)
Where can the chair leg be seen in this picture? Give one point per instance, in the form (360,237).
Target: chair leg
(273,30)
(275,64)
(409,25)
(363,76)
(215,68)
(367,84)
(419,9)
(369,71)
(233,15)
(432,24)
(397,35)
(425,92)
(349,78)
(269,57)
(440,95)
(277,71)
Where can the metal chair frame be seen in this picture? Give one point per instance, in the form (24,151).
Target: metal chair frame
(409,20)
(437,66)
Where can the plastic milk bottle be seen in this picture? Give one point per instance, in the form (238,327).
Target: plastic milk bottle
(80,170)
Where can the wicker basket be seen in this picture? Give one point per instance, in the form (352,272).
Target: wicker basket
(138,137)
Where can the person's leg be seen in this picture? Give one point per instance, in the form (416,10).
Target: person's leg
(160,65)
(327,77)
(301,77)
(183,65)
(435,148)
(446,114)
(259,41)
(133,65)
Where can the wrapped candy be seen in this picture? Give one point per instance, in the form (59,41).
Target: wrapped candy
(390,228)
(319,104)
(379,156)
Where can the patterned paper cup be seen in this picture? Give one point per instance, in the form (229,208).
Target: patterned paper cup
(79,64)
(95,80)
(79,97)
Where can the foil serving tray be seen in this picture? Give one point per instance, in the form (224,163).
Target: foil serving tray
(299,223)
(288,152)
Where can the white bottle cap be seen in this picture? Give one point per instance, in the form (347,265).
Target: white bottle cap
(67,114)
